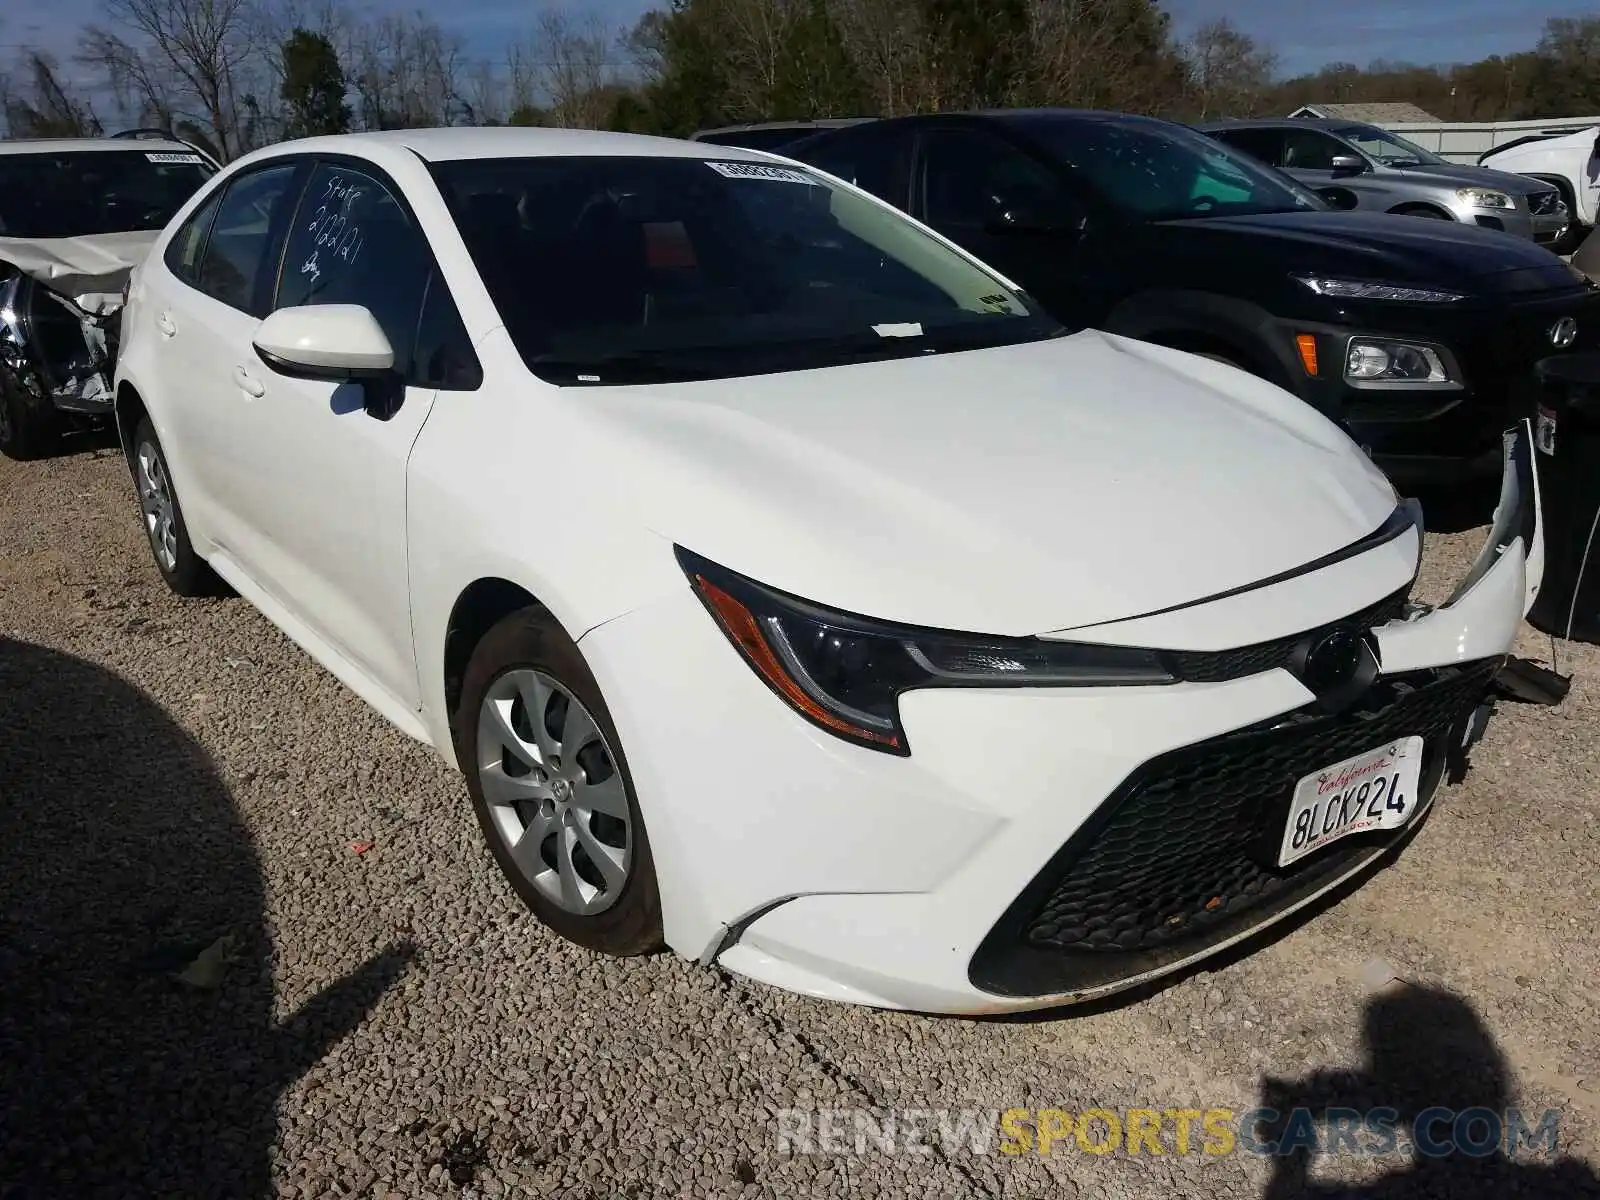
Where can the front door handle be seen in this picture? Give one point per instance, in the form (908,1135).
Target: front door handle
(165,326)
(248,383)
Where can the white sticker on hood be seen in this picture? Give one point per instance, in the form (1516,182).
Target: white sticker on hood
(745,170)
(164,156)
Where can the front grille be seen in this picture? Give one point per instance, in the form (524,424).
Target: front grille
(1217,666)
(1543,204)
(1184,854)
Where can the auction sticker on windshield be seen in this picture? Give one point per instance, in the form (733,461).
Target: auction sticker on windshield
(1375,790)
(741,170)
(162,156)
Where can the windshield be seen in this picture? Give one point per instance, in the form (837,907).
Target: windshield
(1159,172)
(78,193)
(628,270)
(1388,148)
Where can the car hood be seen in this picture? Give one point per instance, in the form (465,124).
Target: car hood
(1020,490)
(1377,246)
(1465,175)
(90,270)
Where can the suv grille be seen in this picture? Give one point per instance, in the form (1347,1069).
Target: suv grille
(1184,854)
(1217,666)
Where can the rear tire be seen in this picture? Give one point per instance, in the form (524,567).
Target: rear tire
(184,571)
(551,787)
(30,426)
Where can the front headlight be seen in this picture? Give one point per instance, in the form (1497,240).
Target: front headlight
(1355,289)
(1386,362)
(845,673)
(1485,198)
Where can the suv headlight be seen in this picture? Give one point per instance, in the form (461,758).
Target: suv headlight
(845,673)
(1485,198)
(1355,289)
(1381,362)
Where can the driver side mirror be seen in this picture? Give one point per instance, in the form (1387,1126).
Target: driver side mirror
(1349,164)
(336,343)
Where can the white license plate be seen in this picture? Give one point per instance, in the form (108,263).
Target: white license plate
(1375,790)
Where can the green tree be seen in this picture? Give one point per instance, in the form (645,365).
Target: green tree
(313,86)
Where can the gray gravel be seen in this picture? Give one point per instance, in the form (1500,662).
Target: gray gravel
(180,783)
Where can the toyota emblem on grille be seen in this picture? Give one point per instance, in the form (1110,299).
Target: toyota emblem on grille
(1563,333)
(1332,661)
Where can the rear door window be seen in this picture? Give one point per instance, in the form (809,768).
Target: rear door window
(1263,145)
(237,255)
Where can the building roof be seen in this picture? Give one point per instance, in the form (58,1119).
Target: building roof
(1397,113)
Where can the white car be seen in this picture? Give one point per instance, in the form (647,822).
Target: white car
(1570,161)
(789,589)
(76,216)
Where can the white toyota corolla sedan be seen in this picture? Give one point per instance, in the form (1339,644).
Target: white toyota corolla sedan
(788,587)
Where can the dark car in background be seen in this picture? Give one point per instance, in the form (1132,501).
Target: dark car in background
(1354,165)
(1420,336)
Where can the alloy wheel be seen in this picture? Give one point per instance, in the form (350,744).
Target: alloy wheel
(155,499)
(553,791)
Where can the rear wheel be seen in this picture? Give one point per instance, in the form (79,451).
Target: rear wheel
(185,572)
(551,787)
(30,426)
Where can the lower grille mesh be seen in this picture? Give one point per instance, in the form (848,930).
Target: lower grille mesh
(1193,841)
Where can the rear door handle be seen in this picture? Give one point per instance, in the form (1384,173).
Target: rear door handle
(248,383)
(165,325)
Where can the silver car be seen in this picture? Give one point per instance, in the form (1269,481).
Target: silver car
(1362,166)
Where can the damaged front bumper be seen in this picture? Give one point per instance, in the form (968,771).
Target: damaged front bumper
(60,316)
(55,352)
(1149,815)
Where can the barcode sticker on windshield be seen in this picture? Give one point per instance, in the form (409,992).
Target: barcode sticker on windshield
(166,157)
(746,170)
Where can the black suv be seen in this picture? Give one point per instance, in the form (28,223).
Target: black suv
(1419,335)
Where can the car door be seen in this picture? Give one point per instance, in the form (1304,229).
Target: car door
(326,465)
(964,180)
(216,288)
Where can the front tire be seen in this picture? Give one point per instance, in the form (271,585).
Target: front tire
(184,571)
(30,426)
(551,787)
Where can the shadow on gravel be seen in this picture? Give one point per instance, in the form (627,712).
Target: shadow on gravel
(1430,1059)
(138,1051)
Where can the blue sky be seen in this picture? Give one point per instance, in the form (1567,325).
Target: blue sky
(1305,35)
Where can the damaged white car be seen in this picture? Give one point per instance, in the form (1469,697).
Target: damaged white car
(76,216)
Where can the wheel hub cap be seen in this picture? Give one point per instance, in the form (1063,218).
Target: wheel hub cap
(155,499)
(555,797)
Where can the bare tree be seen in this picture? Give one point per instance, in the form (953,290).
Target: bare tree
(43,106)
(190,59)
(570,62)
(407,73)
(1228,72)
(892,49)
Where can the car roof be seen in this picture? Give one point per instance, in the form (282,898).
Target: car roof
(62,145)
(820,123)
(1021,118)
(506,141)
(1332,123)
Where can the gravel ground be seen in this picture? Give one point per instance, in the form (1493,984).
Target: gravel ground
(184,792)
